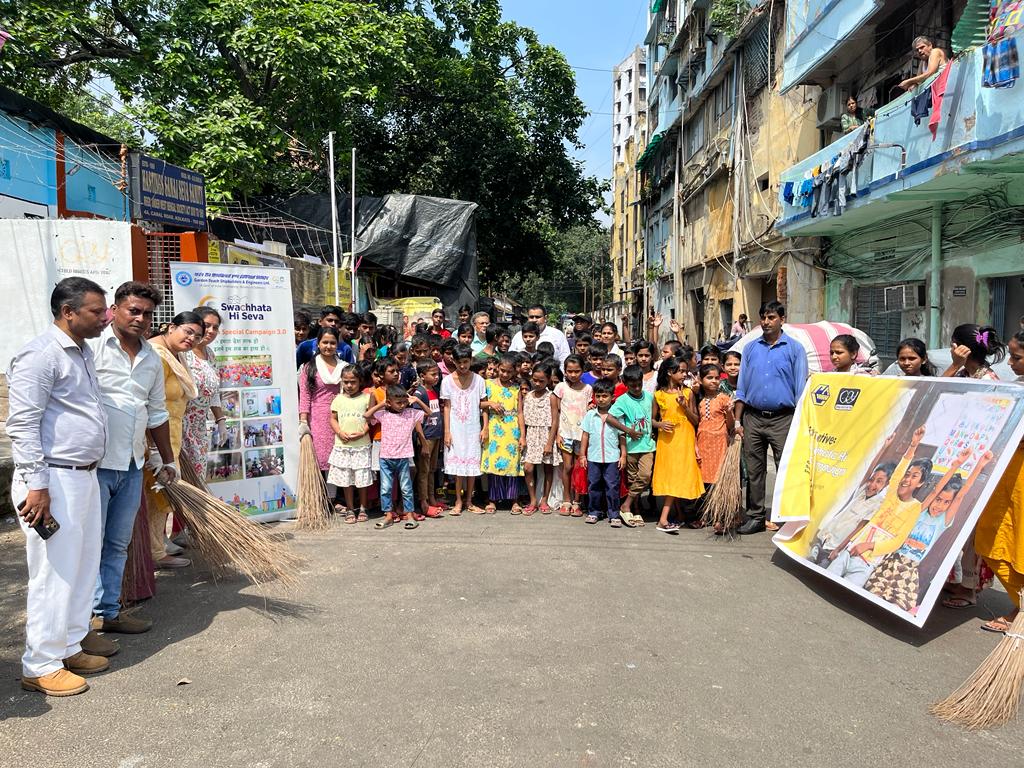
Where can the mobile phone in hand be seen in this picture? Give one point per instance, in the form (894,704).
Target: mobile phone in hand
(42,527)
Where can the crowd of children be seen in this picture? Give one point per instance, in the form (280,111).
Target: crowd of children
(514,431)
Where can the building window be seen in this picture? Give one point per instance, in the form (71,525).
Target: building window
(755,59)
(91,193)
(5,169)
(694,136)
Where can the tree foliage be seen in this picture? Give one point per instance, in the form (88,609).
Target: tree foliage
(441,98)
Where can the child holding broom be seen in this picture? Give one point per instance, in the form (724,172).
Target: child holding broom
(716,424)
(350,458)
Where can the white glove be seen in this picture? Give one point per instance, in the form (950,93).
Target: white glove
(222,434)
(304,430)
(154,462)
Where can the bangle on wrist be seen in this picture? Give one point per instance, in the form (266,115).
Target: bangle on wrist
(222,418)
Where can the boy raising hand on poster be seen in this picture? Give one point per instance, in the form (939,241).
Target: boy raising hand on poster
(889,527)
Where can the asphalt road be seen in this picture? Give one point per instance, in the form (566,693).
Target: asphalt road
(505,641)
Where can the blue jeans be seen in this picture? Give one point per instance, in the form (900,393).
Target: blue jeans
(120,498)
(603,482)
(390,471)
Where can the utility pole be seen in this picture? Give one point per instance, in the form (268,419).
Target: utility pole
(353,230)
(334,217)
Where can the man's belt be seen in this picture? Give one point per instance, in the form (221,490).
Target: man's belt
(86,468)
(770,414)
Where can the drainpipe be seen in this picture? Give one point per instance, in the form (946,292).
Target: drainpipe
(935,277)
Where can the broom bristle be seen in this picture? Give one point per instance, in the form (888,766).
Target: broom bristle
(228,541)
(990,697)
(188,474)
(723,508)
(314,505)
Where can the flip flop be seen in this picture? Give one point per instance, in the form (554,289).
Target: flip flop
(615,522)
(410,524)
(455,512)
(770,526)
(476,510)
(384,522)
(958,603)
(490,509)
(591,519)
(350,518)
(529,509)
(564,509)
(575,511)
(517,509)
(545,509)
(435,512)
(999,626)
(362,517)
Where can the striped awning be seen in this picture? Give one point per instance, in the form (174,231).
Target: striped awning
(816,338)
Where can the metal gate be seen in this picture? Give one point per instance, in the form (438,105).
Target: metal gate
(883,327)
(161,249)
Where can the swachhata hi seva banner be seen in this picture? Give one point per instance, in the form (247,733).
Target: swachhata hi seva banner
(883,479)
(256,468)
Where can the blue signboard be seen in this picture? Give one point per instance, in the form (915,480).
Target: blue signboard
(165,193)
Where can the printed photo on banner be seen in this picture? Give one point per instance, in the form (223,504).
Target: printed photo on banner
(221,467)
(883,479)
(257,496)
(264,462)
(246,371)
(233,431)
(230,403)
(261,402)
(261,433)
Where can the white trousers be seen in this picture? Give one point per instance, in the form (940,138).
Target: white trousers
(61,570)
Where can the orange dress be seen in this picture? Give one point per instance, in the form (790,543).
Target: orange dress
(713,434)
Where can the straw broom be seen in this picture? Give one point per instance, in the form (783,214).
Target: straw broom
(228,541)
(313,502)
(723,507)
(991,695)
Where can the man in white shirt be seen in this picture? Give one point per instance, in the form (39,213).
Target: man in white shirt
(537,314)
(131,382)
(481,322)
(58,430)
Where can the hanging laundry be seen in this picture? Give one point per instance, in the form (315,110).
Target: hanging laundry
(1001,64)
(920,105)
(1009,17)
(938,90)
(787,192)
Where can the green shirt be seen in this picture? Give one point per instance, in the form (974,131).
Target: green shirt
(635,413)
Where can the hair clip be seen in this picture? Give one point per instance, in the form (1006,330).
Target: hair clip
(981,338)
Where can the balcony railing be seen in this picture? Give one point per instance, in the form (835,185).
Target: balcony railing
(905,166)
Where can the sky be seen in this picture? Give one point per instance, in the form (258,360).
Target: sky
(593,35)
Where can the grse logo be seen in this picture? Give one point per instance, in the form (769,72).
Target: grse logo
(821,394)
(846,399)
(183,278)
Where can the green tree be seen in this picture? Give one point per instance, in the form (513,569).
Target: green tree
(441,98)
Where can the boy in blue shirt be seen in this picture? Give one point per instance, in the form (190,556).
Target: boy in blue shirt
(603,455)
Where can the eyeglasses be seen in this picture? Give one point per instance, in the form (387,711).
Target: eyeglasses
(189,333)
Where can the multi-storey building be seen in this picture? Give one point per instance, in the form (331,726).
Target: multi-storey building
(629,131)
(731,134)
(922,224)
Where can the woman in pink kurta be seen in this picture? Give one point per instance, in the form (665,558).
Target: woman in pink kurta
(319,384)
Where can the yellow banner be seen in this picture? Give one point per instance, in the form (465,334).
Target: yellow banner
(883,478)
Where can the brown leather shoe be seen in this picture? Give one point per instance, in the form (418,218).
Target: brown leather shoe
(97,645)
(83,663)
(168,563)
(59,683)
(126,625)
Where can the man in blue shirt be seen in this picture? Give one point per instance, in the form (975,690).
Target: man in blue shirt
(772,376)
(330,317)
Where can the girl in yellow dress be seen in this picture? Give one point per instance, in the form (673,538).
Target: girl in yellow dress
(676,472)
(999,537)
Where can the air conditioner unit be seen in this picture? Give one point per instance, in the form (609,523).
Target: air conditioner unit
(832,105)
(902,297)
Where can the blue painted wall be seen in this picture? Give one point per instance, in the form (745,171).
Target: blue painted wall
(813,28)
(28,156)
(27,167)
